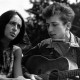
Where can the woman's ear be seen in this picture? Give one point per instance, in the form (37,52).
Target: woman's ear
(68,25)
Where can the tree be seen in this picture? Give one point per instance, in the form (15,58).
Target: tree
(76,23)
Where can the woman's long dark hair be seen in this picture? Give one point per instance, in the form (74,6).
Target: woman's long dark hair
(4,19)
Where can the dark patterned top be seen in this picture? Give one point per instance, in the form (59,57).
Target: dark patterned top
(8,59)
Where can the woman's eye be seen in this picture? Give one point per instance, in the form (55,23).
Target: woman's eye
(19,26)
(12,23)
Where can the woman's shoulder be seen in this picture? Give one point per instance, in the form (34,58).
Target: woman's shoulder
(15,47)
(17,50)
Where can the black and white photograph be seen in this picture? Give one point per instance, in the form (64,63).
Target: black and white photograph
(39,39)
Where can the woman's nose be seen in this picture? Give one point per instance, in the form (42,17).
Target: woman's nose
(15,28)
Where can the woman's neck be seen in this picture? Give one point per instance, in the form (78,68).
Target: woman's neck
(5,43)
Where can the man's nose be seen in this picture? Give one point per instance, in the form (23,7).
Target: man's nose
(50,28)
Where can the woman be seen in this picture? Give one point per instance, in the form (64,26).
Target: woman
(12,30)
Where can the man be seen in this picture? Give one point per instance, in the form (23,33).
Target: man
(62,43)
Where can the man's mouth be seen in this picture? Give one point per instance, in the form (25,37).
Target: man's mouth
(52,34)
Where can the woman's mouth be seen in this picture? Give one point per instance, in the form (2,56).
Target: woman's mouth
(12,34)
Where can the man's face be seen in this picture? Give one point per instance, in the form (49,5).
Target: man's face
(55,27)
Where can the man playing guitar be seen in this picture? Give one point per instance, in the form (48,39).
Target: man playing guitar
(62,42)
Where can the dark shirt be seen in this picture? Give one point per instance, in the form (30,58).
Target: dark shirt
(54,49)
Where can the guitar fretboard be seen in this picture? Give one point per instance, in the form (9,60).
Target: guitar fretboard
(69,73)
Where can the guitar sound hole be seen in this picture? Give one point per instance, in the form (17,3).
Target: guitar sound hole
(39,71)
(53,75)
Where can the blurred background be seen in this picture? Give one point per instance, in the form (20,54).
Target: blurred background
(35,24)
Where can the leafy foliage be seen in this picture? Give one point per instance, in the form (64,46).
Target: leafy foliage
(76,23)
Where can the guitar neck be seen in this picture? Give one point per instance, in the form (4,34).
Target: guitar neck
(69,73)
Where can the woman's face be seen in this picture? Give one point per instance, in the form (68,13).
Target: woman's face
(12,29)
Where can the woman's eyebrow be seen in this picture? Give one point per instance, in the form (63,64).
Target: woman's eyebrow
(53,22)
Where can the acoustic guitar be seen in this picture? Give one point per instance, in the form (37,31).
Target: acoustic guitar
(3,77)
(12,79)
(52,69)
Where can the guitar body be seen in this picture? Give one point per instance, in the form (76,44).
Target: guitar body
(38,64)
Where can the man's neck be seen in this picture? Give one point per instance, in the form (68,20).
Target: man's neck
(67,36)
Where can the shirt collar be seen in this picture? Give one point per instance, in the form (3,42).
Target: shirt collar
(73,41)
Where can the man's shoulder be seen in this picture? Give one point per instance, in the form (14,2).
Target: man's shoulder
(78,39)
(46,41)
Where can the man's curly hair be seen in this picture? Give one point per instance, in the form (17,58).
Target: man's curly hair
(62,9)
